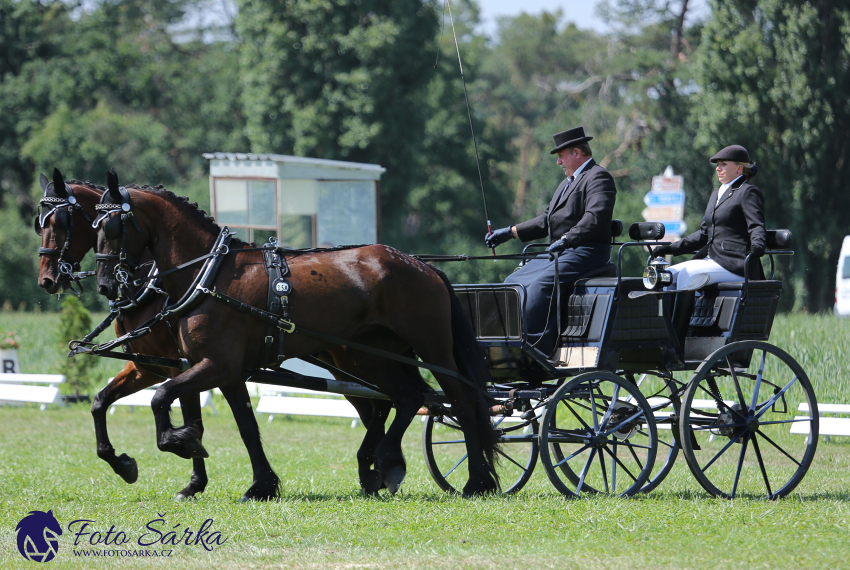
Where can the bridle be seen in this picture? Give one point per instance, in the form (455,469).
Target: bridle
(114,227)
(62,210)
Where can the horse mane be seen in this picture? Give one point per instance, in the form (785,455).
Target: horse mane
(182,203)
(87,184)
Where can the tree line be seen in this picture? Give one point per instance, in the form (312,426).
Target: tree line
(146,86)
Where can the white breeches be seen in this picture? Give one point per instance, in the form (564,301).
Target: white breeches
(683,273)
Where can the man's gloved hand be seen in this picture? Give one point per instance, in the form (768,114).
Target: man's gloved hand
(557,246)
(757,250)
(498,237)
(662,250)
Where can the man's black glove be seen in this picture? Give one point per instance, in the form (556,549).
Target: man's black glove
(557,246)
(757,250)
(662,250)
(498,237)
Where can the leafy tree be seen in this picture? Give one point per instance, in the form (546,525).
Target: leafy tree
(775,77)
(355,80)
(74,324)
(111,84)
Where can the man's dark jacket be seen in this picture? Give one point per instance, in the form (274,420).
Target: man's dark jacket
(729,230)
(582,216)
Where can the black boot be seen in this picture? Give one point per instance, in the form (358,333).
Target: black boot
(683,310)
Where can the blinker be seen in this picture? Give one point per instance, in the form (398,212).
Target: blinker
(112,227)
(36,224)
(61,218)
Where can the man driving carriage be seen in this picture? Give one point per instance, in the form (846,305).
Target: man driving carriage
(578,224)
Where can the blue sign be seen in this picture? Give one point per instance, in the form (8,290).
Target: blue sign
(678,228)
(667,198)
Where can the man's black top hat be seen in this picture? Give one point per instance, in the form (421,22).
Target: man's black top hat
(734,153)
(571,137)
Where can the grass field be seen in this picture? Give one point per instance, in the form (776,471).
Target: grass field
(48,461)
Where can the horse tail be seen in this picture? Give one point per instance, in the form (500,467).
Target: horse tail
(469,358)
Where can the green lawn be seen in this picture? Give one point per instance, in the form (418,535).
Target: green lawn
(48,461)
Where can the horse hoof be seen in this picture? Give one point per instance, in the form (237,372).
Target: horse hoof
(126,467)
(372,483)
(470,490)
(256,494)
(394,478)
(195,449)
(187,494)
(191,449)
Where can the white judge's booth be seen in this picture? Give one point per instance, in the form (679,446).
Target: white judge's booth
(304,202)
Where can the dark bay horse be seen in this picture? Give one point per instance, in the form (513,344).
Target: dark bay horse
(372,295)
(68,231)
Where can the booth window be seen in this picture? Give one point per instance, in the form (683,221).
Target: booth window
(247,207)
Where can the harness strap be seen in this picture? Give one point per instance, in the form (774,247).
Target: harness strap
(278,302)
(331,368)
(289,327)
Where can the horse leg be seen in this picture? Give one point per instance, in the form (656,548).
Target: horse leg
(370,480)
(373,414)
(396,382)
(129,381)
(190,405)
(266,484)
(183,441)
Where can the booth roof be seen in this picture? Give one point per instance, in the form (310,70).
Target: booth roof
(239,156)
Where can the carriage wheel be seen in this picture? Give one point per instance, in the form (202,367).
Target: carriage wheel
(743,424)
(445,453)
(598,435)
(666,414)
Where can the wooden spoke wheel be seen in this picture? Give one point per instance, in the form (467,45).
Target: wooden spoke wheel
(598,435)
(445,452)
(749,422)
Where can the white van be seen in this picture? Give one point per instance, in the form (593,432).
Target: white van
(842,281)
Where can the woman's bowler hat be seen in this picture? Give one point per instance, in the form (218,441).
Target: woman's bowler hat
(571,137)
(734,153)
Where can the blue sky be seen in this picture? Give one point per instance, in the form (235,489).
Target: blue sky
(582,12)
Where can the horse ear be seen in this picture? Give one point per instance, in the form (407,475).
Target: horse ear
(112,184)
(59,184)
(44,182)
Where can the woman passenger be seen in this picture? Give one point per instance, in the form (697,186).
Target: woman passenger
(733,226)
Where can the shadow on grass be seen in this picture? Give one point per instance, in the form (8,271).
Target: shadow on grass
(690,495)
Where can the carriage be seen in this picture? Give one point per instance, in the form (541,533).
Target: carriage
(628,388)
(635,378)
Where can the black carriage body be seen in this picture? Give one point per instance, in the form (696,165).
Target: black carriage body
(603,329)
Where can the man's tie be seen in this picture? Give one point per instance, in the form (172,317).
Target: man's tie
(564,191)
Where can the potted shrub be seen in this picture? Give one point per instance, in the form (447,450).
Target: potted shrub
(9,345)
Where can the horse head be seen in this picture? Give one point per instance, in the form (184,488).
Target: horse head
(119,248)
(64,224)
